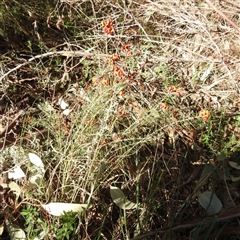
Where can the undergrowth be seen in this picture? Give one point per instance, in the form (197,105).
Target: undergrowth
(142,96)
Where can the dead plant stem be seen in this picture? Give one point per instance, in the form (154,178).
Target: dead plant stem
(223,15)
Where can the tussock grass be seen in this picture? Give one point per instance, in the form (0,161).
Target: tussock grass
(133,123)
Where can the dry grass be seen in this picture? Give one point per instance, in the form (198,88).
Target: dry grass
(130,131)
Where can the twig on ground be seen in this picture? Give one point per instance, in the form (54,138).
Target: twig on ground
(59,53)
(233,213)
(12,124)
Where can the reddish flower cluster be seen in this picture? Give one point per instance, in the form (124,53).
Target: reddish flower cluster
(178,90)
(105,81)
(113,58)
(101,80)
(108,27)
(126,48)
(171,88)
(164,106)
(117,71)
(104,142)
(121,93)
(204,114)
(115,136)
(121,112)
(89,122)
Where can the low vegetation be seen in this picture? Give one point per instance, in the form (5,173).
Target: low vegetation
(119,119)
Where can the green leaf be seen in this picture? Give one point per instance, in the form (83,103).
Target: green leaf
(208,168)
(234,165)
(221,157)
(235,179)
(120,199)
(210,202)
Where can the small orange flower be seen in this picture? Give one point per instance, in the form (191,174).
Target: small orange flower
(171,88)
(204,114)
(94,80)
(126,48)
(122,93)
(104,142)
(131,77)
(113,58)
(105,81)
(108,27)
(118,72)
(89,122)
(175,111)
(121,112)
(115,136)
(164,106)
(179,91)
(66,132)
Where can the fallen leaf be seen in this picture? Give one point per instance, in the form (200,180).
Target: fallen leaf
(15,232)
(120,199)
(210,202)
(66,112)
(63,104)
(16,173)
(14,187)
(1,229)
(58,209)
(35,160)
(234,165)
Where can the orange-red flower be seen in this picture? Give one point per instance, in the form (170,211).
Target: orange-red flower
(94,80)
(121,112)
(121,93)
(115,136)
(179,91)
(108,27)
(175,111)
(118,72)
(126,48)
(104,142)
(113,58)
(89,122)
(204,114)
(100,80)
(164,106)
(171,88)
(105,81)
